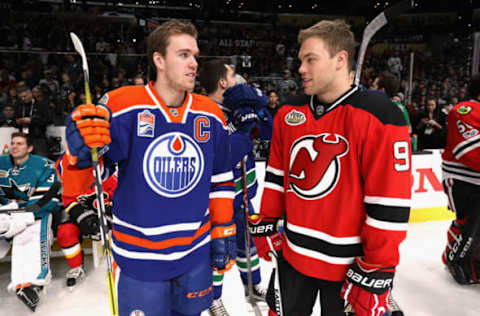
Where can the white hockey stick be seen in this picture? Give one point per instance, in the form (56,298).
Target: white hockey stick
(251,299)
(376,24)
(98,186)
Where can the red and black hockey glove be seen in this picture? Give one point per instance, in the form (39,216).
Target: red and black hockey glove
(266,237)
(367,288)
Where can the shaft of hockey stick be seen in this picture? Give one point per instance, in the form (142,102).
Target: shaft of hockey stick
(251,299)
(276,284)
(98,185)
(373,27)
(47,197)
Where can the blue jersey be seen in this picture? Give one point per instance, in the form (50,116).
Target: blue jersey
(28,182)
(174,180)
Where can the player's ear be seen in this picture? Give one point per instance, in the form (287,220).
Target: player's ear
(223,83)
(30,148)
(341,59)
(159,61)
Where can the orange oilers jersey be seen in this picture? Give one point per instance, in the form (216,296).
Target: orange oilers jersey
(461,158)
(174,180)
(340,174)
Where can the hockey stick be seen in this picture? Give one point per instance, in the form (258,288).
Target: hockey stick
(251,299)
(47,197)
(373,27)
(98,185)
(276,284)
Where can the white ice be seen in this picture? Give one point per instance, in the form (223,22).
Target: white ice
(422,285)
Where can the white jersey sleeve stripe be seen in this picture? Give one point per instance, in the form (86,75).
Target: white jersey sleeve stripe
(222,177)
(323,236)
(222,194)
(160,229)
(387,201)
(274,187)
(386,225)
(276,172)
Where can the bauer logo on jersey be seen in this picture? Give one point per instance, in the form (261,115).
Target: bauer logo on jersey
(295,118)
(146,124)
(315,164)
(173,164)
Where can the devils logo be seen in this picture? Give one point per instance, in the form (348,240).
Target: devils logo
(315,165)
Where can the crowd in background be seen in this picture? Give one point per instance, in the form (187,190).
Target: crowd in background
(36,55)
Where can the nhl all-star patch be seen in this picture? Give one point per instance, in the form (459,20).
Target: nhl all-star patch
(145,124)
(464,110)
(295,117)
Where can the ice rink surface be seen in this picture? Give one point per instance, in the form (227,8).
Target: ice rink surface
(422,285)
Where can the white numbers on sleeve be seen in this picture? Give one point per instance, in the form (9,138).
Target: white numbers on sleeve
(400,153)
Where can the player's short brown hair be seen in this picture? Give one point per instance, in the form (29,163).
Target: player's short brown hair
(335,33)
(210,74)
(27,137)
(158,40)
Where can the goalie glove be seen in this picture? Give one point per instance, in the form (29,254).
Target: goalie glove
(367,288)
(87,127)
(266,237)
(223,246)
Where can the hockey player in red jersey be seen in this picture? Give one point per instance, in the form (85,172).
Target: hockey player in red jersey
(172,209)
(339,173)
(461,181)
(80,219)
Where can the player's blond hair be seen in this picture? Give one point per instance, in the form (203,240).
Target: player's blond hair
(335,33)
(158,40)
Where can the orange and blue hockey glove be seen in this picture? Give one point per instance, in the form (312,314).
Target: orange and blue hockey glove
(88,126)
(223,246)
(367,288)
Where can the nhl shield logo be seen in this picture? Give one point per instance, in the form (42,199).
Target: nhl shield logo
(145,124)
(295,118)
(315,164)
(137,312)
(173,164)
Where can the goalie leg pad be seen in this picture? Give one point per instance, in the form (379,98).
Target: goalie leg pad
(31,254)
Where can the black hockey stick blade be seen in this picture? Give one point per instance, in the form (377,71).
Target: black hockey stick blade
(47,197)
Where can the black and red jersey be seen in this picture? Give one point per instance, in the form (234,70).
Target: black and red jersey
(340,174)
(461,158)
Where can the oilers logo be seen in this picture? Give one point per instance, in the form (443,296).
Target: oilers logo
(173,164)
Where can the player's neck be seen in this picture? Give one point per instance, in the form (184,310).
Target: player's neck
(18,161)
(170,96)
(217,96)
(338,88)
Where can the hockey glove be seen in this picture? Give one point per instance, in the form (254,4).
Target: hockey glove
(223,246)
(266,237)
(367,288)
(87,127)
(15,223)
(464,269)
(242,95)
(244,119)
(86,219)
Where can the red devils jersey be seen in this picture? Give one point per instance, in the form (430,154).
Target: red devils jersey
(461,158)
(340,174)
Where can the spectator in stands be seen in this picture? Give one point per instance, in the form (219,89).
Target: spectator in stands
(138,80)
(66,87)
(273,103)
(33,117)
(50,81)
(430,127)
(8,119)
(286,84)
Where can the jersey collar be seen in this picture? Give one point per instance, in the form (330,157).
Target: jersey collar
(319,109)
